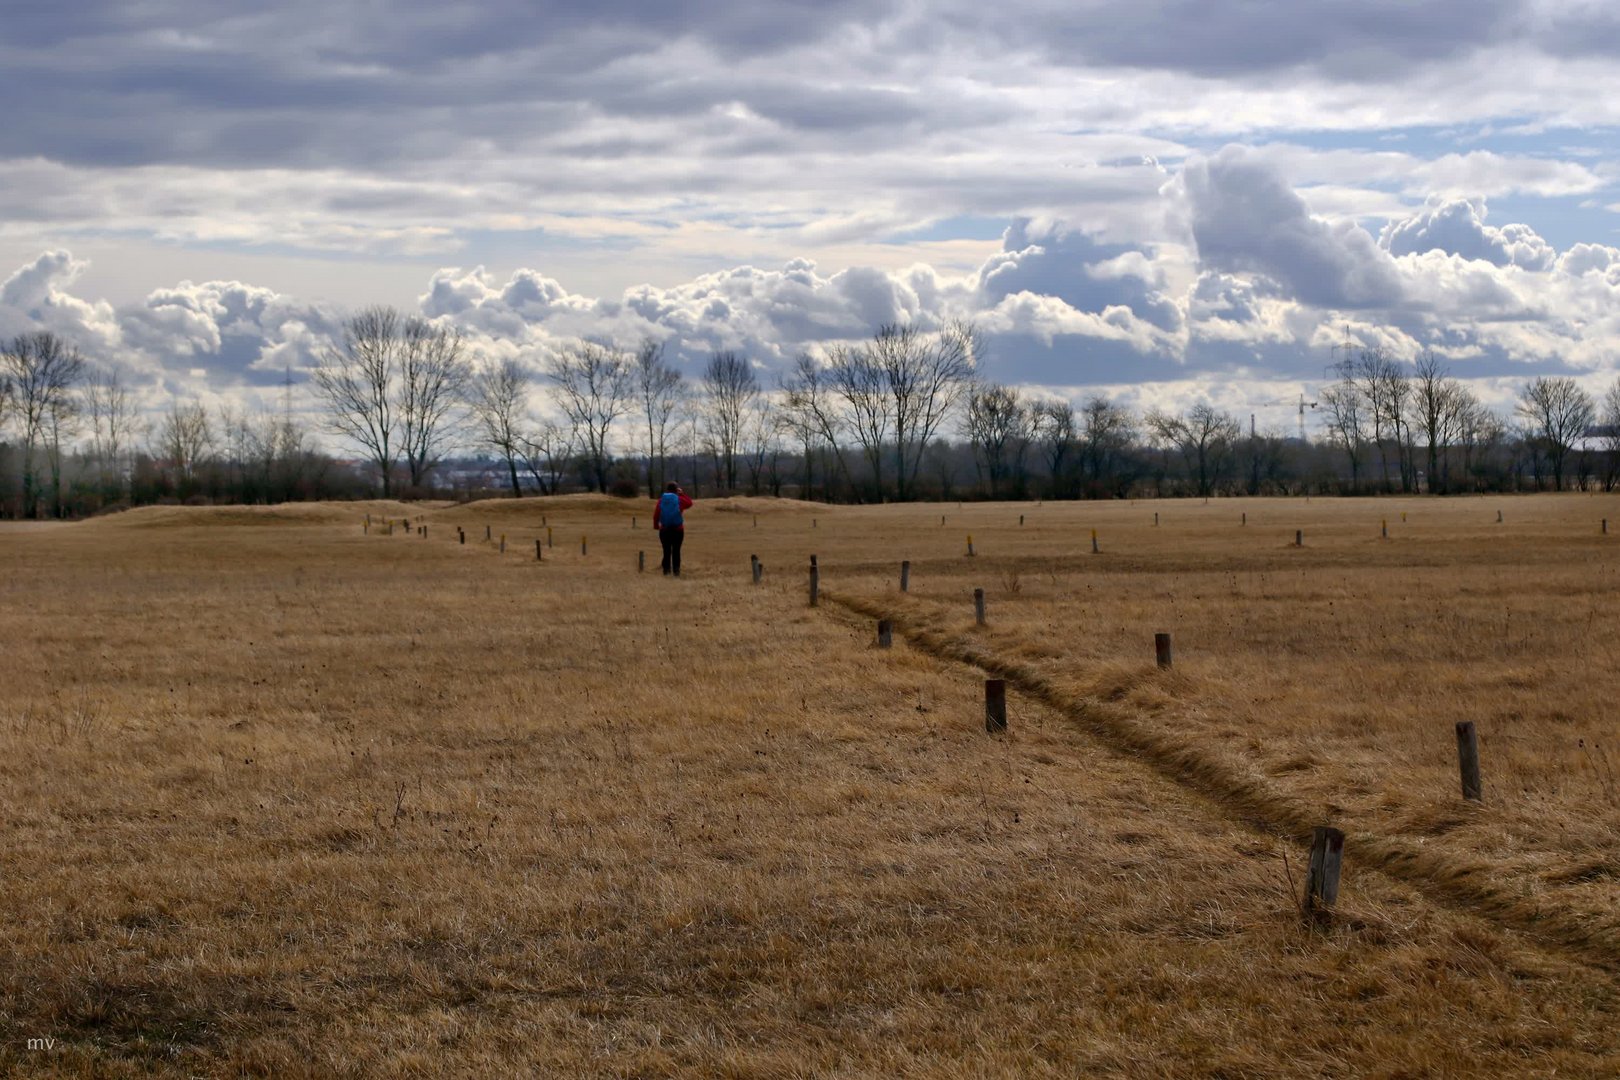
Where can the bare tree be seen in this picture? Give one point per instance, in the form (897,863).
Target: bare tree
(42,371)
(1346,409)
(500,406)
(594,383)
(811,414)
(1558,412)
(184,439)
(1438,404)
(730,391)
(1205,438)
(861,382)
(114,423)
(1611,437)
(925,375)
(433,383)
(659,391)
(997,427)
(547,450)
(1107,431)
(1058,436)
(356,383)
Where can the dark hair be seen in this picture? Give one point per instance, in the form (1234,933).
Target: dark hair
(672,487)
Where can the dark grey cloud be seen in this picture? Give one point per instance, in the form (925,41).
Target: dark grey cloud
(1245,217)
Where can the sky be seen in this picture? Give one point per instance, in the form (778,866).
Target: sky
(1165,201)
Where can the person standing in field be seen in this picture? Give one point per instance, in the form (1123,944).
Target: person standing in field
(669,518)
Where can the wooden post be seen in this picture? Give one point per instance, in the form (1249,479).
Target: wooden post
(641,562)
(1605,526)
(1322,877)
(1403,517)
(1499,517)
(503,543)
(1155,519)
(1299,537)
(815,585)
(970,543)
(1162,651)
(1095,550)
(548,536)
(756,521)
(905,575)
(1385,527)
(486,532)
(1468,760)
(583,549)
(813,560)
(995,705)
(538,557)
(812,523)
(885,638)
(461,535)
(1245,517)
(632,521)
(1020,519)
(942,521)
(978,606)
(759,570)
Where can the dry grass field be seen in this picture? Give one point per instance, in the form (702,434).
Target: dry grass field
(279,797)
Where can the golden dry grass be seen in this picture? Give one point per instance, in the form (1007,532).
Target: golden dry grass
(286,799)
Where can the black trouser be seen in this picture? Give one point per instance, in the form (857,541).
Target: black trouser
(671,539)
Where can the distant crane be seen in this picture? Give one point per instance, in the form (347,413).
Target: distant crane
(1301,405)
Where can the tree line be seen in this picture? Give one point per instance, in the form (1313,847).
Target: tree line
(902,415)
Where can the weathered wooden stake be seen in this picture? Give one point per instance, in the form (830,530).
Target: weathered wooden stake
(942,520)
(1155,518)
(1245,517)
(1384,525)
(995,705)
(978,606)
(756,521)
(1499,517)
(1299,537)
(759,570)
(812,523)
(905,575)
(548,535)
(1095,550)
(1605,526)
(1468,760)
(885,638)
(1322,877)
(970,543)
(1020,519)
(815,585)
(632,521)
(583,549)
(1162,650)
(1403,517)
(538,557)
(461,535)
(503,543)
(641,562)
(486,532)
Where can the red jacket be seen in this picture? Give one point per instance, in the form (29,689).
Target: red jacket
(686,504)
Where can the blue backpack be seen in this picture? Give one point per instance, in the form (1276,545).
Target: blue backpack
(669,511)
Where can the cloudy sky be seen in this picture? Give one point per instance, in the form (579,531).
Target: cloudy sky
(1160,199)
